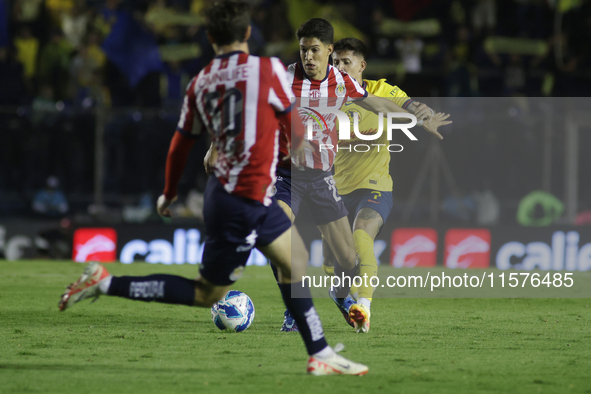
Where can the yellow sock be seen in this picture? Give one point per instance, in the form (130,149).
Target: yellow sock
(328,270)
(368,265)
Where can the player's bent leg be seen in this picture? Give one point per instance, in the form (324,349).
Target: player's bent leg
(280,253)
(367,225)
(290,256)
(339,238)
(365,228)
(170,289)
(328,264)
(289,324)
(288,253)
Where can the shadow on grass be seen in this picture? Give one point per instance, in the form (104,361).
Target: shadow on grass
(93,367)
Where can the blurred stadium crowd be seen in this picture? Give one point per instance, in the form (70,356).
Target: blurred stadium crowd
(66,65)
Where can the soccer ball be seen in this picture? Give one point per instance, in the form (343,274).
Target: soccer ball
(235,311)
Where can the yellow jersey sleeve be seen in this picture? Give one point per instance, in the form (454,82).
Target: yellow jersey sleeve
(382,88)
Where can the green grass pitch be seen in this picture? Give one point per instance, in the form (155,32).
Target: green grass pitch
(414,346)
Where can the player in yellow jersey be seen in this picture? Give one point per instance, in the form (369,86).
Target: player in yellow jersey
(363,179)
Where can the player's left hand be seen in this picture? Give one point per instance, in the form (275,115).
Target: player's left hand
(420,110)
(162,206)
(434,122)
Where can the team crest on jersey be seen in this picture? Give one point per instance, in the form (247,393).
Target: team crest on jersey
(340,90)
(315,94)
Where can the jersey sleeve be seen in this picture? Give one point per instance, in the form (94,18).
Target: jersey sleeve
(280,93)
(354,90)
(190,124)
(291,72)
(393,92)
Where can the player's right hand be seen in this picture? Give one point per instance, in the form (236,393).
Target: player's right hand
(162,206)
(209,160)
(299,155)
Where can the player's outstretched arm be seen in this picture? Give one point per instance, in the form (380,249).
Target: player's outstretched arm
(380,104)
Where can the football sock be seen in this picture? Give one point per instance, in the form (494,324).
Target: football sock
(277,280)
(105,284)
(170,289)
(365,302)
(324,353)
(302,309)
(368,265)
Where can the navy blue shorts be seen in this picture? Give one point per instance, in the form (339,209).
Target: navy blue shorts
(234,225)
(381,202)
(316,188)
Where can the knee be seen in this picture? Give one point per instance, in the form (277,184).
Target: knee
(370,227)
(363,225)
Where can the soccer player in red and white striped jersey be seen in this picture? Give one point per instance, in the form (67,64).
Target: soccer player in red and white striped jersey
(317,84)
(227,95)
(240,100)
(331,92)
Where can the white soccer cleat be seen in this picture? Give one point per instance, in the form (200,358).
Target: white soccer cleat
(334,365)
(360,315)
(86,286)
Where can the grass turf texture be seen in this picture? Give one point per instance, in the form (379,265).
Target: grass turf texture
(414,346)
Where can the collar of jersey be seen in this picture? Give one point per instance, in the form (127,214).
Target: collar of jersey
(228,54)
(307,77)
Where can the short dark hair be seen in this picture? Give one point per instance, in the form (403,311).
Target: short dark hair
(226,21)
(317,28)
(351,44)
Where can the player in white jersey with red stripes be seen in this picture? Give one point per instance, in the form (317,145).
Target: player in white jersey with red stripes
(317,84)
(245,164)
(331,92)
(240,100)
